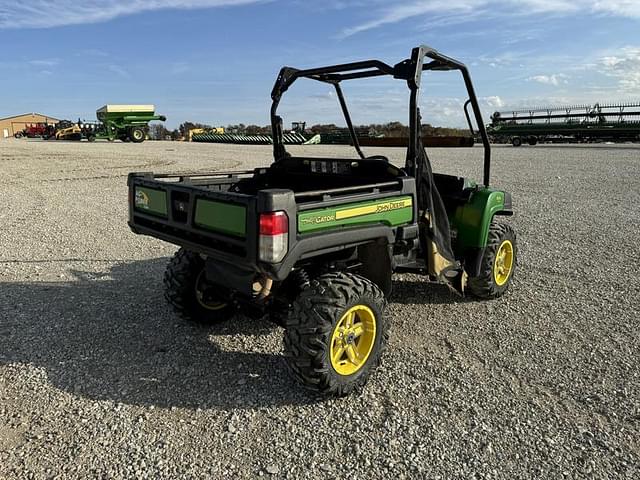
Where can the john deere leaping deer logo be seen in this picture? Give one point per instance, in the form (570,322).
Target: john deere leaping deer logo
(142,200)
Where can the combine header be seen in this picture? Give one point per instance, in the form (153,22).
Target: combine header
(581,123)
(288,138)
(296,136)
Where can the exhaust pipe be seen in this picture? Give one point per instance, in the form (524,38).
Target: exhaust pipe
(262,287)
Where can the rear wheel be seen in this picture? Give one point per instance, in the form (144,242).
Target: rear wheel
(190,294)
(533,141)
(516,141)
(498,263)
(336,333)
(136,134)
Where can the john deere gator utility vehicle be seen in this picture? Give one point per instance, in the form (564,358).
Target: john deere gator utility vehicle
(313,242)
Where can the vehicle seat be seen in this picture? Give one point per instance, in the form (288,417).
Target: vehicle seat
(454,190)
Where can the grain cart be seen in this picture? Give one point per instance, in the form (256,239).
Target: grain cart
(125,122)
(313,242)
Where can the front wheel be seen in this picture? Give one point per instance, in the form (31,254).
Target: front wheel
(190,294)
(336,333)
(498,263)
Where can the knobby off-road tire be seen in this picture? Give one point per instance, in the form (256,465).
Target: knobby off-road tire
(190,296)
(315,322)
(496,274)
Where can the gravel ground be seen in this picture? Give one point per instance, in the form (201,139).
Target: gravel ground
(99,379)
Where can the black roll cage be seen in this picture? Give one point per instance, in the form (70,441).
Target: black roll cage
(409,70)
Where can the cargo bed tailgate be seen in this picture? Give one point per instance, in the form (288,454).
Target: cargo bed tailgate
(203,218)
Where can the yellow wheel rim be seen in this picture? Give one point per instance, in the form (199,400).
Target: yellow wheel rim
(503,264)
(352,340)
(200,296)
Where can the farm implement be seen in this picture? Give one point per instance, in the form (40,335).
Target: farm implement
(115,122)
(582,123)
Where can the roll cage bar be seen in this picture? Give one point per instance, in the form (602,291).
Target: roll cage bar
(409,70)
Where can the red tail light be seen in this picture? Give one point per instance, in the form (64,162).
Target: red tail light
(274,236)
(274,223)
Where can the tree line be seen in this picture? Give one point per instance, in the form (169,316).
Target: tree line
(157,131)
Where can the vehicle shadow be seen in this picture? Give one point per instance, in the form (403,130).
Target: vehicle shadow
(112,336)
(421,291)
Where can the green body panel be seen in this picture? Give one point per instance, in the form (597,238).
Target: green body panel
(472,220)
(221,217)
(151,200)
(390,211)
(129,120)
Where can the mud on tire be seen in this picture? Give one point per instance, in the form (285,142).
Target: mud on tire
(312,321)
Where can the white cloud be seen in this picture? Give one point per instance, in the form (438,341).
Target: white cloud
(406,9)
(624,65)
(555,79)
(330,95)
(494,101)
(628,8)
(48,62)
(46,14)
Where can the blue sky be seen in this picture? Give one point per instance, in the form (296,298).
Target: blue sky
(214,61)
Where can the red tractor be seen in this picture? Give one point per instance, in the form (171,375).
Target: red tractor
(33,130)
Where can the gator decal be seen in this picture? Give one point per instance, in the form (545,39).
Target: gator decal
(151,200)
(221,217)
(392,212)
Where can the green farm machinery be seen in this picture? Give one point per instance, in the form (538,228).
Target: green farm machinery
(313,242)
(124,122)
(578,123)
